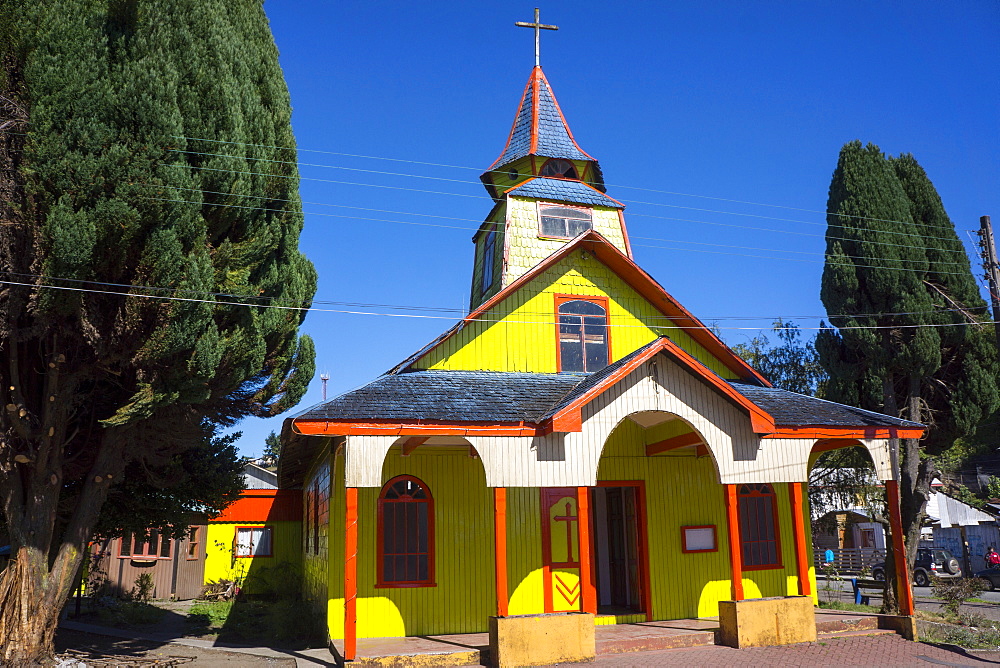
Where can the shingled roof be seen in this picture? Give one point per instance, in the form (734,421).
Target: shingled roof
(539,127)
(791,409)
(562,190)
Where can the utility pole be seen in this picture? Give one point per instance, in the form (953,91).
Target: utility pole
(992,268)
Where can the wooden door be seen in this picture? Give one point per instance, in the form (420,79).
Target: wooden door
(561,549)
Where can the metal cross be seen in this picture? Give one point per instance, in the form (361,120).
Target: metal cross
(537,26)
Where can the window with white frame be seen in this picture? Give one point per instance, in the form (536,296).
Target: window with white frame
(563,221)
(253,541)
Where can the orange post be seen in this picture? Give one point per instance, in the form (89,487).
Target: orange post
(899,548)
(500,547)
(735,548)
(351,576)
(799,529)
(586,564)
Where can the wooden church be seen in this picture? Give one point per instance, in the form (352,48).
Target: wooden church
(580,442)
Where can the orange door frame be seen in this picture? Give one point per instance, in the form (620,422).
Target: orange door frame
(351,575)
(799,529)
(735,548)
(500,548)
(586,560)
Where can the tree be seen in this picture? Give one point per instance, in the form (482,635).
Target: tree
(907,336)
(272,449)
(792,364)
(152,284)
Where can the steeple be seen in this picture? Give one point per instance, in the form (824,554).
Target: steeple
(540,143)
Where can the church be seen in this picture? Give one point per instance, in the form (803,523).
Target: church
(578,443)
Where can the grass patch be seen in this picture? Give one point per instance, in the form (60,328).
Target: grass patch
(283,623)
(848,607)
(964,636)
(125,614)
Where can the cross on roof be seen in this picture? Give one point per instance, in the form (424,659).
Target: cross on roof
(537,26)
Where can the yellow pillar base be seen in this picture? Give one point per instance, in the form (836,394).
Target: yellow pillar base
(542,640)
(902,624)
(763,622)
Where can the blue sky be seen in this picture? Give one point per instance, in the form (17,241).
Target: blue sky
(696,107)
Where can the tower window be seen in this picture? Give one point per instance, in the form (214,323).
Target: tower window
(405,534)
(561,169)
(489,251)
(563,221)
(583,333)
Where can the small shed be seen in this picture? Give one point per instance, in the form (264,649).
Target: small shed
(965,531)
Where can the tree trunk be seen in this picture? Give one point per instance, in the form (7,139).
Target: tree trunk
(31,598)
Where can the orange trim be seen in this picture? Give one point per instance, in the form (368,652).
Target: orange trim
(500,548)
(799,529)
(411,444)
(821,431)
(702,450)
(586,555)
(561,117)
(263,505)
(715,539)
(561,299)
(534,109)
(735,549)
(899,549)
(759,419)
(332,428)
(351,574)
(682,441)
(628,244)
(635,277)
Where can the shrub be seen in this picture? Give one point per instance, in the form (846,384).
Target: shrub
(955,591)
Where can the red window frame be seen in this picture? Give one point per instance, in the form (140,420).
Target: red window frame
(576,172)
(236,542)
(193,544)
(149,551)
(715,539)
(561,299)
(381,580)
(745,493)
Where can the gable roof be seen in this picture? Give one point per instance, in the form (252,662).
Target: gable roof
(563,190)
(539,126)
(602,249)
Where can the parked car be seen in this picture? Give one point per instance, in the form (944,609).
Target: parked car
(990,578)
(930,561)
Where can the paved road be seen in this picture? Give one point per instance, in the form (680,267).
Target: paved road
(919,592)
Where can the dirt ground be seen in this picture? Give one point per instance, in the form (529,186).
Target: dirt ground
(104,652)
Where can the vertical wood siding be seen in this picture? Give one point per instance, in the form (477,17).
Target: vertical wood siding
(463,597)
(519,333)
(177,576)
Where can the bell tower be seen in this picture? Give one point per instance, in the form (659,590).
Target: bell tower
(546,191)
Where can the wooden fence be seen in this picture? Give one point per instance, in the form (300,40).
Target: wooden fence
(849,559)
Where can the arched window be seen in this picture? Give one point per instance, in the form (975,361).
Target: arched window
(558,168)
(759,533)
(405,534)
(583,334)
(563,221)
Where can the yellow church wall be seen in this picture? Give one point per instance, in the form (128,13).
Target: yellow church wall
(464,595)
(519,333)
(683,490)
(259,574)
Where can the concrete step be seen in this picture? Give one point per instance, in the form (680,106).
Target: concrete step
(847,624)
(862,632)
(656,639)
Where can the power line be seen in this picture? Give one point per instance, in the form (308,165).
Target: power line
(766,257)
(471,220)
(552,322)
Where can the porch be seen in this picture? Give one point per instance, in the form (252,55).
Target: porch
(472,649)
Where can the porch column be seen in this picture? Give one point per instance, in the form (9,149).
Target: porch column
(587,587)
(500,548)
(799,529)
(899,548)
(351,575)
(735,548)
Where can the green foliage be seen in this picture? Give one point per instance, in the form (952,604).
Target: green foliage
(142,592)
(125,384)
(791,364)
(955,591)
(993,487)
(272,449)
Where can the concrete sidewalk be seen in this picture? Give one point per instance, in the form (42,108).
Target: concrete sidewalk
(302,658)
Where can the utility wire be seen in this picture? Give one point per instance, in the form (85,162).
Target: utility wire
(432,317)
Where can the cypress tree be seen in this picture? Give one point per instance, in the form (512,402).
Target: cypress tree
(898,289)
(144,206)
